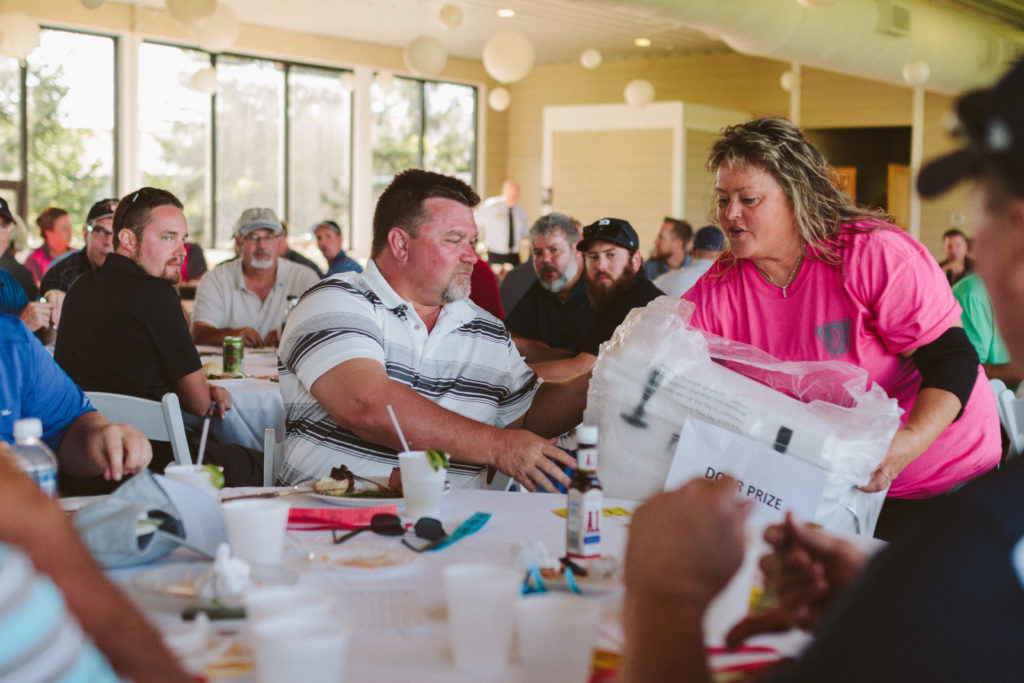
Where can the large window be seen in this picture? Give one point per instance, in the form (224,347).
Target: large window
(68,128)
(426,125)
(174,130)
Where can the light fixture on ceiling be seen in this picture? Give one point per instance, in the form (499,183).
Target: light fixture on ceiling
(642,42)
(506,13)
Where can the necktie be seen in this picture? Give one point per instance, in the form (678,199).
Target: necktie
(511,232)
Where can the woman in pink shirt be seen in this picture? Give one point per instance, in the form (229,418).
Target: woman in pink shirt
(810,276)
(55,226)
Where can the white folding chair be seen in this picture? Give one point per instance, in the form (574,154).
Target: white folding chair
(1011,414)
(273,456)
(157,420)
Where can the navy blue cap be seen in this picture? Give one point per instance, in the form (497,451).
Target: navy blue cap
(709,238)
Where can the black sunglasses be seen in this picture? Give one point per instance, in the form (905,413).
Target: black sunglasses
(387,524)
(608,230)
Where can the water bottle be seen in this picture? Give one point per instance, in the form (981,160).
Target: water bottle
(34,456)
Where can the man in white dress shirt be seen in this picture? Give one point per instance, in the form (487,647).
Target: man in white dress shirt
(504,225)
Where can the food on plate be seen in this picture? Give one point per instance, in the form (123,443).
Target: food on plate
(212,369)
(342,482)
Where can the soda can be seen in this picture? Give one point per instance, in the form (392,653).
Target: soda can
(234,352)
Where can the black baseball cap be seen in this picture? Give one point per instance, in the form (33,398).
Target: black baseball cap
(992,122)
(330,224)
(709,238)
(614,230)
(101,209)
(5,211)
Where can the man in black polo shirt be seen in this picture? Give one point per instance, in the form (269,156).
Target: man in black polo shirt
(123,330)
(555,312)
(615,285)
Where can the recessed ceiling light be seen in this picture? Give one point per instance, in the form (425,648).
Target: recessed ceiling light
(642,42)
(506,13)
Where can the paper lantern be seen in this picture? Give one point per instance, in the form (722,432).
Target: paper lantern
(91,4)
(590,59)
(639,93)
(348,81)
(508,56)
(385,80)
(451,16)
(499,99)
(817,4)
(789,81)
(19,35)
(425,56)
(191,12)
(916,73)
(204,80)
(219,32)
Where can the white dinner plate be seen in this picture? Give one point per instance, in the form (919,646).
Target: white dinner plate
(358,502)
(364,554)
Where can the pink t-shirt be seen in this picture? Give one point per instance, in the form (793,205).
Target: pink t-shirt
(888,296)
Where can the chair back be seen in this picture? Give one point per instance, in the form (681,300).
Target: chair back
(273,456)
(157,420)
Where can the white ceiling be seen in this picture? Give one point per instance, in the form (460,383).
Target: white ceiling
(559,29)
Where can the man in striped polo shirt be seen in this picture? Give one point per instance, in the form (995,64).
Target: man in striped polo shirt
(403,333)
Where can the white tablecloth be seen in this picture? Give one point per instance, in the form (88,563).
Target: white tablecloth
(420,653)
(256,404)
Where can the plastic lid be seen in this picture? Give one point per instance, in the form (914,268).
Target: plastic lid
(28,428)
(586,434)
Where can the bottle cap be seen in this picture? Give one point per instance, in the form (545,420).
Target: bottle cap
(586,434)
(28,428)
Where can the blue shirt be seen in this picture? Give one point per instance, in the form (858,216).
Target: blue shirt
(343,264)
(13,299)
(33,385)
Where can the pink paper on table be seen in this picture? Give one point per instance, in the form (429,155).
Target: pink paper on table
(312,519)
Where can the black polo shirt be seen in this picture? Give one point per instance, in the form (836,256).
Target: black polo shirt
(541,315)
(123,331)
(62,273)
(641,293)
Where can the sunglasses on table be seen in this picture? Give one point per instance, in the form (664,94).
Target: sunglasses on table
(387,524)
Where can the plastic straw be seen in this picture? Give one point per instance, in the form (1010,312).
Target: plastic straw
(202,440)
(401,436)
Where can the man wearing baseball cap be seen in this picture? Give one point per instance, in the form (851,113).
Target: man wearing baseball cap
(328,241)
(616,285)
(99,241)
(708,245)
(247,297)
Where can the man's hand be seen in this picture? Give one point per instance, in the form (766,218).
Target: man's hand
(220,396)
(36,315)
(687,543)
(527,457)
(249,336)
(121,449)
(810,568)
(272,338)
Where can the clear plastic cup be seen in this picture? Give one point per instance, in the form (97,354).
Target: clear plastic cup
(556,636)
(289,649)
(256,530)
(481,600)
(422,485)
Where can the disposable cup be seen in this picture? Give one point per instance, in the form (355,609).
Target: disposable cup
(422,485)
(196,476)
(289,649)
(556,636)
(256,529)
(267,602)
(481,601)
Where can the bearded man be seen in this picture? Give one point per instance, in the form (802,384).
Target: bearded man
(402,335)
(615,285)
(247,297)
(555,311)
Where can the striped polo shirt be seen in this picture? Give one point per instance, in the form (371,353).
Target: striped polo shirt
(39,640)
(467,364)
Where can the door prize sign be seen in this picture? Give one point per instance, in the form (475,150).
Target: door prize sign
(776,482)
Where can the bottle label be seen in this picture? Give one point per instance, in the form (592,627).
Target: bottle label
(586,458)
(583,537)
(46,479)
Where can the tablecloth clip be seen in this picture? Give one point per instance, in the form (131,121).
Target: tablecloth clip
(570,580)
(533,583)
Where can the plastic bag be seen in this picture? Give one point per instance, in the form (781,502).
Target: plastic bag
(655,371)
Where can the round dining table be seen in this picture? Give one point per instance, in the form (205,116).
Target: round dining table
(397,611)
